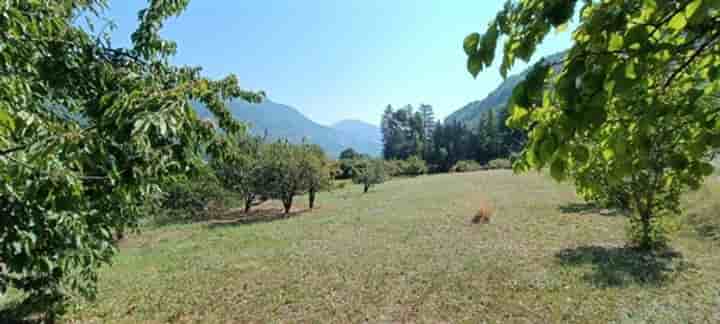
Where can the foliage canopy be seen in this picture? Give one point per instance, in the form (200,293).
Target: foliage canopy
(87,132)
(629,101)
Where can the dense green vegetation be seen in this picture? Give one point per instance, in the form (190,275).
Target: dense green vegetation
(411,135)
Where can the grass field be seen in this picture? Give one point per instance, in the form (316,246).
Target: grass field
(406,252)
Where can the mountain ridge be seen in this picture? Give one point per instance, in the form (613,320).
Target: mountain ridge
(359,129)
(283,121)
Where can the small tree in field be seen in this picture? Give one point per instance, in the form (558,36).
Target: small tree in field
(237,164)
(369,173)
(317,171)
(627,111)
(283,173)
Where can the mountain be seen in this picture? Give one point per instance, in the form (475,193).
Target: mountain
(282,121)
(359,129)
(497,99)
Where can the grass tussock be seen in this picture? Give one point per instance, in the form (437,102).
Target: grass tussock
(483,214)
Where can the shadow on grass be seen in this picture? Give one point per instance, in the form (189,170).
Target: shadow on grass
(21,312)
(708,231)
(255,216)
(706,221)
(212,212)
(588,208)
(624,266)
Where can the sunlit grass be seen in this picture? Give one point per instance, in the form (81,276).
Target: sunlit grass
(408,252)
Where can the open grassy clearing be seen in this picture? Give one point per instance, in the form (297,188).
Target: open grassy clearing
(406,252)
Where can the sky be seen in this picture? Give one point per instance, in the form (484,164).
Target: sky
(335,60)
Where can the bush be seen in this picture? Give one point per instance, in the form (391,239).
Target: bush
(187,200)
(466,166)
(394,168)
(499,164)
(414,166)
(345,168)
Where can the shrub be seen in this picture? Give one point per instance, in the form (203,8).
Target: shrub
(189,199)
(394,168)
(345,168)
(483,215)
(499,164)
(466,166)
(414,166)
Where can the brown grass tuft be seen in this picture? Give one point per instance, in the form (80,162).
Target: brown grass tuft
(484,213)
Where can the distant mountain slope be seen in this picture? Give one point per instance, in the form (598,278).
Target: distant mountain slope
(497,99)
(282,121)
(359,129)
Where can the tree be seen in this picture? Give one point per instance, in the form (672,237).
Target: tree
(627,102)
(428,122)
(316,170)
(369,172)
(349,154)
(87,132)
(283,172)
(389,134)
(403,133)
(238,165)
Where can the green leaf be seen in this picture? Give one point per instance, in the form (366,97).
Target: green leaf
(6,121)
(630,70)
(470,43)
(518,117)
(474,64)
(616,42)
(648,10)
(608,154)
(557,169)
(678,22)
(692,8)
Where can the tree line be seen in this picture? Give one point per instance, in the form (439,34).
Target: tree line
(409,133)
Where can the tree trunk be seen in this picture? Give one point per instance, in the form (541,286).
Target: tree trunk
(287,203)
(311,196)
(248,205)
(646,242)
(367,187)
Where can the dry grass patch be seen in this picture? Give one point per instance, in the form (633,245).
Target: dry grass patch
(484,213)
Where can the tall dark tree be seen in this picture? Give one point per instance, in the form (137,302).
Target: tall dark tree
(387,126)
(428,120)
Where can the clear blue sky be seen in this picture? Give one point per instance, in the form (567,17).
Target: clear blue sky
(333,59)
